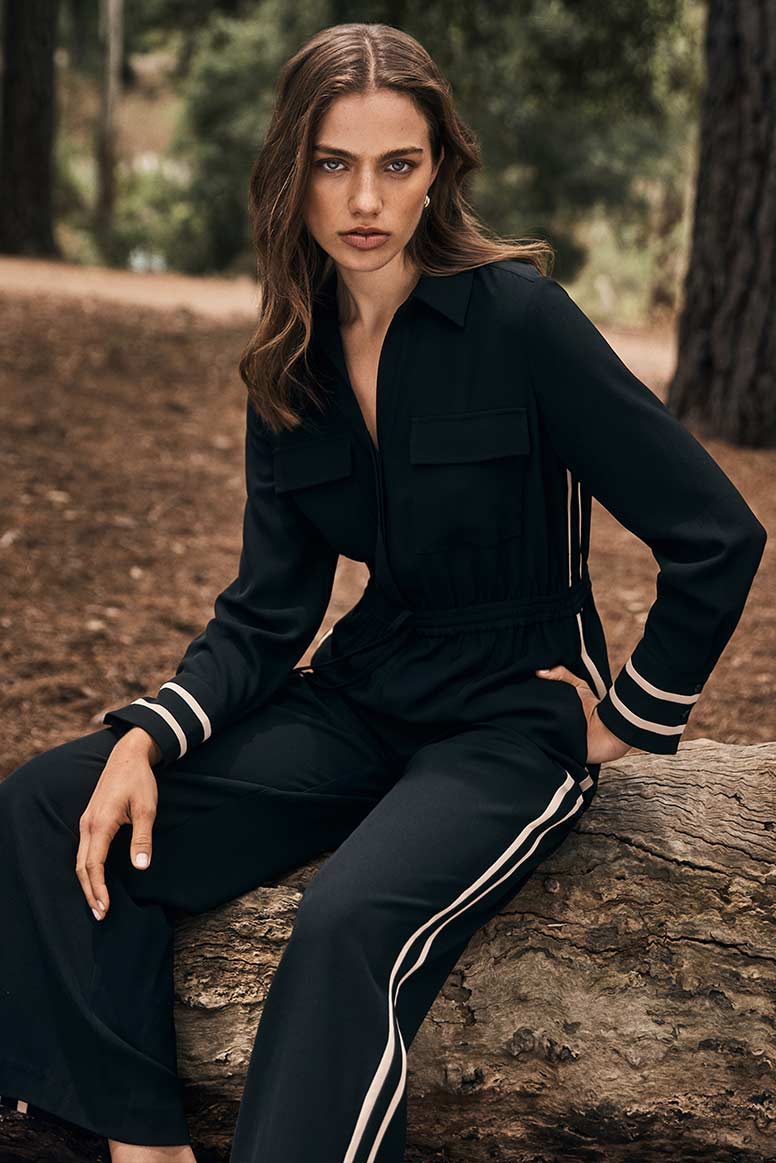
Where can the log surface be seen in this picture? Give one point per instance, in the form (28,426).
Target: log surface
(622,1005)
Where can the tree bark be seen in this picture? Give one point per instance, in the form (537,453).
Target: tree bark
(726,370)
(79,29)
(28,128)
(621,1006)
(111,41)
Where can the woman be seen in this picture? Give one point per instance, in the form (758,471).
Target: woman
(431,402)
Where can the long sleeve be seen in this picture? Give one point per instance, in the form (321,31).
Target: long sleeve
(623,444)
(263,621)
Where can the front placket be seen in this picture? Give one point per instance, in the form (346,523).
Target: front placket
(392,356)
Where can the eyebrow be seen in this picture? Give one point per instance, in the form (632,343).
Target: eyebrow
(383,157)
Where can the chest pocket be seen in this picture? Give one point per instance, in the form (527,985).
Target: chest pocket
(467,477)
(318,474)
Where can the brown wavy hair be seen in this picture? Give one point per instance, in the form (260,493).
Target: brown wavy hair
(290,264)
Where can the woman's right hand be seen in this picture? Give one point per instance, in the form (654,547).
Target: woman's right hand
(126,793)
(602,744)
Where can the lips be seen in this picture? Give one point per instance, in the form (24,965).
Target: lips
(365,239)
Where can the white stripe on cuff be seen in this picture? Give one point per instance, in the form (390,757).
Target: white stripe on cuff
(656,690)
(192,702)
(171,722)
(645,724)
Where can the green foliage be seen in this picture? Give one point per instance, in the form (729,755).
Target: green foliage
(74,190)
(572,104)
(157,224)
(585,115)
(226,101)
(200,225)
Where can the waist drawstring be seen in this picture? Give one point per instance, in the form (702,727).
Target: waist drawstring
(511,612)
(508,612)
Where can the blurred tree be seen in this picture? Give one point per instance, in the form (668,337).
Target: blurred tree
(568,105)
(111,39)
(573,108)
(583,114)
(227,99)
(726,370)
(27,128)
(78,16)
(185,18)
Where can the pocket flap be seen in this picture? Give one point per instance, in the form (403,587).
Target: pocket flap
(466,436)
(312,462)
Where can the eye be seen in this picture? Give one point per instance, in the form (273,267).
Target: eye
(321,165)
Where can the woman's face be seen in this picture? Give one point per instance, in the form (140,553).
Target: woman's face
(371,169)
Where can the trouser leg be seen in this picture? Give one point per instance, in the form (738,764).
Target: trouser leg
(86,1007)
(377,933)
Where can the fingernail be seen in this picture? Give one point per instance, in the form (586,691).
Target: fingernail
(97,916)
(142,859)
(100,905)
(543,671)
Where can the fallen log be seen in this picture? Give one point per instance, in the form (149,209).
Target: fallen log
(622,1006)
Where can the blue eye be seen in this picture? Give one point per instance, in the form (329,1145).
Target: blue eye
(396,161)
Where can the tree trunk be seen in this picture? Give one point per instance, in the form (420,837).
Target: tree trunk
(111,30)
(80,33)
(726,371)
(28,128)
(621,1006)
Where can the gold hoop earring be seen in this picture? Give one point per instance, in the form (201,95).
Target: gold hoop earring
(426,201)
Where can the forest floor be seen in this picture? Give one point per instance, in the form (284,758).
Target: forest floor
(121,497)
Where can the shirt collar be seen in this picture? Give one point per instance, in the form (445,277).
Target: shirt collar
(447,294)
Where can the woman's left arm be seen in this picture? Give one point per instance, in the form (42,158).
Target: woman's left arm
(628,450)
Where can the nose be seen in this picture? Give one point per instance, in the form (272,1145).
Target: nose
(365,196)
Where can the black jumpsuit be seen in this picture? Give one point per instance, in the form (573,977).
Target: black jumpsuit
(418,748)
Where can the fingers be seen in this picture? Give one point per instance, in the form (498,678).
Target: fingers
(560,673)
(80,871)
(90,865)
(140,847)
(95,867)
(93,850)
(563,674)
(125,794)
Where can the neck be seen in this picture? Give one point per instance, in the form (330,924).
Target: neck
(368,300)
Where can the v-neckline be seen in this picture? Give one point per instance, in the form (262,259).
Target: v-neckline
(352,390)
(374,444)
(331,344)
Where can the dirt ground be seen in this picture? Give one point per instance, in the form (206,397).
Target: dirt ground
(121,410)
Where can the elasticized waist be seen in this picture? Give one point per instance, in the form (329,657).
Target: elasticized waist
(568,601)
(375,621)
(514,612)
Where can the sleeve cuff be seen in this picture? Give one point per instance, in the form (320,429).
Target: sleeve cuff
(644,714)
(175,719)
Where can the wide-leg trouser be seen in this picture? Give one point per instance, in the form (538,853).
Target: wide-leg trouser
(425,847)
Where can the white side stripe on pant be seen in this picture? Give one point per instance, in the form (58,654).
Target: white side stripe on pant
(590,666)
(575,569)
(463,901)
